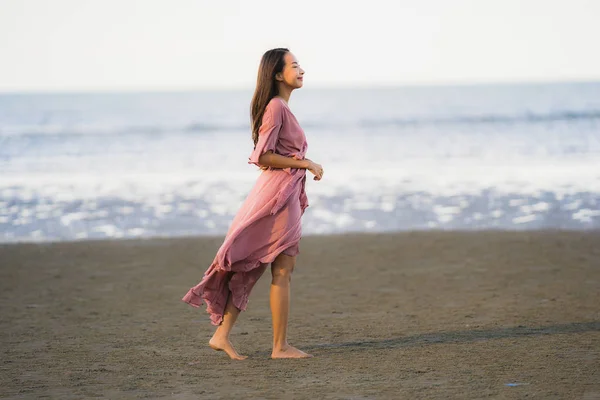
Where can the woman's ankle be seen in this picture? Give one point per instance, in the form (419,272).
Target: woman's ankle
(281,346)
(220,335)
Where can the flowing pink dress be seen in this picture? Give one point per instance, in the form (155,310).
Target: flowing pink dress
(268,222)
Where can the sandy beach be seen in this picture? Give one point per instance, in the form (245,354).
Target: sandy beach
(416,315)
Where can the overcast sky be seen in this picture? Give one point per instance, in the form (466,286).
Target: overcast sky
(85,45)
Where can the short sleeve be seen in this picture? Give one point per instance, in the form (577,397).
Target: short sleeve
(268,133)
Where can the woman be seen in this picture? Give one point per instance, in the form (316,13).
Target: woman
(267,228)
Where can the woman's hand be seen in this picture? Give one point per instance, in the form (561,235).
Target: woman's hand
(316,169)
(313,167)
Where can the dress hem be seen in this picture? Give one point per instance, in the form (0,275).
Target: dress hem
(240,300)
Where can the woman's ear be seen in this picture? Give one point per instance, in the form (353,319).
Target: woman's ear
(279,76)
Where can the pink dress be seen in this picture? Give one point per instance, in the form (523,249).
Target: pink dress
(267,224)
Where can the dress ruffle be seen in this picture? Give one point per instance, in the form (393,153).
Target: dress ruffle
(219,280)
(237,267)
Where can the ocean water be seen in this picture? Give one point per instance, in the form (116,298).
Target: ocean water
(78,166)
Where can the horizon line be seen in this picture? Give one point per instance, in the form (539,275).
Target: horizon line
(359,86)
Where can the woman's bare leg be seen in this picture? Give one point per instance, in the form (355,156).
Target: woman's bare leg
(220,340)
(281,270)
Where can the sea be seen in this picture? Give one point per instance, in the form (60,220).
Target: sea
(80,166)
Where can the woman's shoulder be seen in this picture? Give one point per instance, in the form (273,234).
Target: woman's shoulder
(276,108)
(276,104)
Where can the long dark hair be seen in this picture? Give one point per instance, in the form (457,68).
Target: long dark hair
(271,63)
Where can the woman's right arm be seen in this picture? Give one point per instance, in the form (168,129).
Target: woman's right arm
(270,159)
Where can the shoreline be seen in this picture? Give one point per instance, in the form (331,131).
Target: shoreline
(212,236)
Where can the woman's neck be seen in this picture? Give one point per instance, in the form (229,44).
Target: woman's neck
(285,92)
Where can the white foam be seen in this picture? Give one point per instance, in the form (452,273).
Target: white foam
(370,224)
(586,215)
(363,205)
(524,219)
(446,213)
(219,209)
(136,231)
(445,218)
(344,220)
(68,218)
(37,234)
(340,221)
(388,203)
(573,205)
(434,176)
(541,206)
(108,230)
(445,210)
(326,215)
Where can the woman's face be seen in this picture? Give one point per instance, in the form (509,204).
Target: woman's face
(292,74)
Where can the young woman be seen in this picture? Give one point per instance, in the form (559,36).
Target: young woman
(266,229)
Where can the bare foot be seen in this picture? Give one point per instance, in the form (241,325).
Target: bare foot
(288,351)
(226,346)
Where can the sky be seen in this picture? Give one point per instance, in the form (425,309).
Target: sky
(132,45)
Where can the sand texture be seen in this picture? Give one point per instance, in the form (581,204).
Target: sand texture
(421,315)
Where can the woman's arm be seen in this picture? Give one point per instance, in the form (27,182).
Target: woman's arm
(270,159)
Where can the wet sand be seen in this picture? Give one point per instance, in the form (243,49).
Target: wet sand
(422,315)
